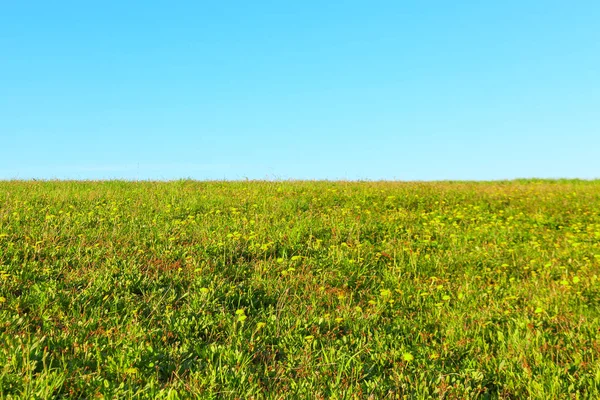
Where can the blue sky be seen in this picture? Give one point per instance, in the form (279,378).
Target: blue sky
(407,90)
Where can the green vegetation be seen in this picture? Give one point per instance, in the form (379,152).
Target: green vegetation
(300,289)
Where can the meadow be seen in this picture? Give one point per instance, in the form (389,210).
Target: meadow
(320,290)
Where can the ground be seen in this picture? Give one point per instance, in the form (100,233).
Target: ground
(300,289)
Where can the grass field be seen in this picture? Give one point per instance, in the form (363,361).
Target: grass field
(300,290)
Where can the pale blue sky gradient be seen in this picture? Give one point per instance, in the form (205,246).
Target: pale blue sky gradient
(407,90)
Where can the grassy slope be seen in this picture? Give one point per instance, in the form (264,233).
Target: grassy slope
(303,289)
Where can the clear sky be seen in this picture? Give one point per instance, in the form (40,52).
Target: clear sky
(409,90)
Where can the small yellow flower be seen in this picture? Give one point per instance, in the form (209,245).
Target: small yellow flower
(339,319)
(407,357)
(204,290)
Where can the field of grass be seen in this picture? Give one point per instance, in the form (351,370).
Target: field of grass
(300,290)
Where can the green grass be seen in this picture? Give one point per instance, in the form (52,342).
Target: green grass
(300,289)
